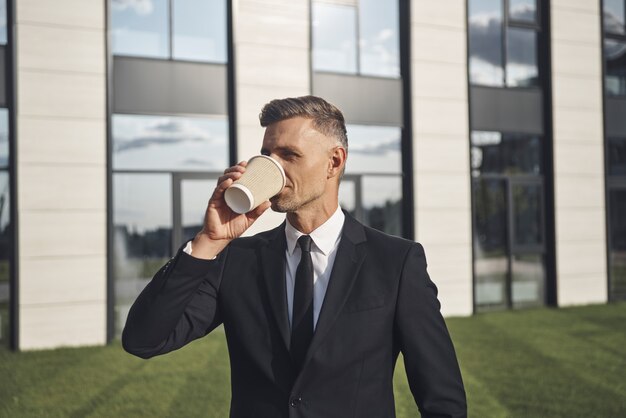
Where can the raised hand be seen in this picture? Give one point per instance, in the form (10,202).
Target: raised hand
(221,224)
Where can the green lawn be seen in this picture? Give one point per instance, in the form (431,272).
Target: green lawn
(536,363)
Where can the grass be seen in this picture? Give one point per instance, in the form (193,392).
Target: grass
(534,363)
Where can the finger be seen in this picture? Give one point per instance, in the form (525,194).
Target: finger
(218,193)
(235,169)
(234,176)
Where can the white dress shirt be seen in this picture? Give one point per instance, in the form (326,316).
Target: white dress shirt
(323,252)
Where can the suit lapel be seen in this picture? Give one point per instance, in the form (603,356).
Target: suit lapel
(273,265)
(347,264)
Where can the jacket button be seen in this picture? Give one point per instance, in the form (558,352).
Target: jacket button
(295,402)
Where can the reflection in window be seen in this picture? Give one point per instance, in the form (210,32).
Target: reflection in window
(334,37)
(527,219)
(5,245)
(194,196)
(371,189)
(374,149)
(490,243)
(528,277)
(490,34)
(617,237)
(4,138)
(523,10)
(485,42)
(379,42)
(521,58)
(169,143)
(336,30)
(140,28)
(199,30)
(614,16)
(142,227)
(617,156)
(382,203)
(615,71)
(3,22)
(504,153)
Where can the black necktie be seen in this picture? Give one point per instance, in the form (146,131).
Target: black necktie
(302,317)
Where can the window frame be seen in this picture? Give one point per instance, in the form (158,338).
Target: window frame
(507,23)
(606,35)
(357,55)
(170,40)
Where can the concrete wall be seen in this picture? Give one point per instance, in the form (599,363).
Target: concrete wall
(61,172)
(578,152)
(272,60)
(440,148)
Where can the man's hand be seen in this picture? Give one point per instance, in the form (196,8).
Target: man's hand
(221,224)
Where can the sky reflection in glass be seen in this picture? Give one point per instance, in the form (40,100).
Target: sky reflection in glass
(485,42)
(521,60)
(169,143)
(374,149)
(334,38)
(140,28)
(614,16)
(199,28)
(379,40)
(523,10)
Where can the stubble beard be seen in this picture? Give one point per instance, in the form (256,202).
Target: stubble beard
(284,204)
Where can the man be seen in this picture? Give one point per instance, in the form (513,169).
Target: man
(315,311)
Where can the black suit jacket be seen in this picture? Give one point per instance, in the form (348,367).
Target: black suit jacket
(379,302)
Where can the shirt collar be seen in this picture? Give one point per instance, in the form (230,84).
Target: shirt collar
(324,236)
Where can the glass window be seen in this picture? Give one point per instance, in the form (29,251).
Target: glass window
(140,28)
(3,22)
(5,245)
(499,153)
(523,10)
(374,149)
(617,236)
(169,143)
(382,203)
(490,243)
(521,58)
(199,30)
(617,156)
(4,138)
(527,216)
(142,222)
(528,280)
(334,37)
(615,71)
(485,42)
(194,197)
(379,40)
(614,16)
(372,187)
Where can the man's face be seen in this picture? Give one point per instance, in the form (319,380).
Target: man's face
(305,155)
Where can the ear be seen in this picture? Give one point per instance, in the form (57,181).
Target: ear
(337,161)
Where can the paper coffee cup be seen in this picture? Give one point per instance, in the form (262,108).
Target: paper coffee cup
(264,178)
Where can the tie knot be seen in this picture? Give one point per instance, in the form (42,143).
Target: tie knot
(305,243)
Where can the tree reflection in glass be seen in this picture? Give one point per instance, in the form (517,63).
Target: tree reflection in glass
(142,229)
(617,236)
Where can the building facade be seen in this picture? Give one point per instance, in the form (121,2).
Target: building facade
(491,131)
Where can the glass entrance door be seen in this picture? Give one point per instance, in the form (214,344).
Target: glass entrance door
(509,248)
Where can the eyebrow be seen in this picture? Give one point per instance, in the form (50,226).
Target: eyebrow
(282,149)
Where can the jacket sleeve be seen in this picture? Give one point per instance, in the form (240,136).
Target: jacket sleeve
(430,361)
(179,305)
